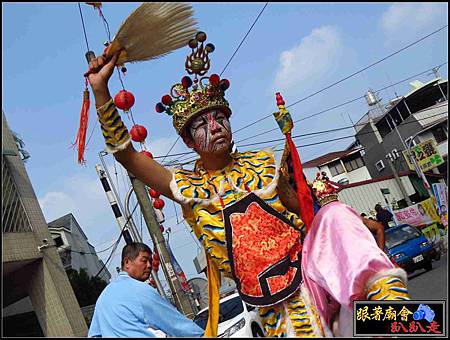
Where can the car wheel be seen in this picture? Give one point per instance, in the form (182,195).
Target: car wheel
(257,332)
(428,266)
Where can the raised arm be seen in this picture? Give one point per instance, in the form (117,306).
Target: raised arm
(116,134)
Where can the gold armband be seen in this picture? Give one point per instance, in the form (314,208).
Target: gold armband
(388,288)
(113,129)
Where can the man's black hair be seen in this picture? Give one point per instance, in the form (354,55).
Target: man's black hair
(133,249)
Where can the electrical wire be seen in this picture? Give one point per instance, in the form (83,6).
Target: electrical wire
(242,41)
(340,105)
(117,242)
(347,77)
(84,28)
(313,115)
(308,135)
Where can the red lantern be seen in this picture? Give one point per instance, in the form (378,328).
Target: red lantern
(138,133)
(124,100)
(158,203)
(161,227)
(153,193)
(147,153)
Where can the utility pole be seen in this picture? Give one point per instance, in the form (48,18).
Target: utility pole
(391,159)
(181,300)
(127,225)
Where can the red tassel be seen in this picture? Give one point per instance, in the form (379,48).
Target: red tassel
(303,193)
(81,135)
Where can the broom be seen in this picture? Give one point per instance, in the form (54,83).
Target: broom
(151,31)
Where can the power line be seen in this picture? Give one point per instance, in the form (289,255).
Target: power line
(84,29)
(251,27)
(312,115)
(117,242)
(351,75)
(225,66)
(339,105)
(324,131)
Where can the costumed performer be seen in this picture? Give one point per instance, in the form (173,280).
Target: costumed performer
(242,211)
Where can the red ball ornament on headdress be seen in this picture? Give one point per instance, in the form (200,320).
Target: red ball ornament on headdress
(224,84)
(186,82)
(153,193)
(138,133)
(166,100)
(159,108)
(147,153)
(214,79)
(124,100)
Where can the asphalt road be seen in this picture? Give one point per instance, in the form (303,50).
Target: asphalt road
(432,285)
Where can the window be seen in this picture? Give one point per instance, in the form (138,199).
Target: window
(439,134)
(379,165)
(336,168)
(58,241)
(353,162)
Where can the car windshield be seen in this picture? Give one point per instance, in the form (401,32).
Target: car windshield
(228,310)
(400,235)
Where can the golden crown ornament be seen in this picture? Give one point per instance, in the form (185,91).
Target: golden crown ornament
(326,191)
(184,104)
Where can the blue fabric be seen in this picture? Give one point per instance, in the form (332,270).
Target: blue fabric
(128,307)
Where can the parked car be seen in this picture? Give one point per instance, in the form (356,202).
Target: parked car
(409,248)
(236,319)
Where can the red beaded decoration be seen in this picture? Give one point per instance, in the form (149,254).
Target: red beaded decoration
(153,193)
(158,203)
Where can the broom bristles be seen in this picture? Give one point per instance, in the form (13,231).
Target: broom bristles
(154,30)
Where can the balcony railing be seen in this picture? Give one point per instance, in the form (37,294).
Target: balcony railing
(14,217)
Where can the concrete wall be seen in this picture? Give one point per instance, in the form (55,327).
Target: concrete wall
(364,197)
(44,279)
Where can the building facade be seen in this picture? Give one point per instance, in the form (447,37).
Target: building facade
(74,248)
(343,167)
(31,265)
(420,115)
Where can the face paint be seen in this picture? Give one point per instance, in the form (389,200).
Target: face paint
(208,128)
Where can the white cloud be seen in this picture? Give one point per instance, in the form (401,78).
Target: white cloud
(315,55)
(402,19)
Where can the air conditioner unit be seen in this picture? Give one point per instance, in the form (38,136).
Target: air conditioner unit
(379,165)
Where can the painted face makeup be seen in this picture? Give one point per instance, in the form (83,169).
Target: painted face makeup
(211,131)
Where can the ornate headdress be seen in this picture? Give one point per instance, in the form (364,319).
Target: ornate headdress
(183,104)
(325,190)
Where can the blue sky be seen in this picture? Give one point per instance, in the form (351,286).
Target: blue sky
(294,48)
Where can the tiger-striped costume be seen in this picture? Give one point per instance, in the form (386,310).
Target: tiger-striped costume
(255,171)
(205,193)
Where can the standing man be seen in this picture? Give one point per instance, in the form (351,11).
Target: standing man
(129,307)
(383,216)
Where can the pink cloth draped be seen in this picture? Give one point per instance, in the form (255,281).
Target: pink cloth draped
(339,256)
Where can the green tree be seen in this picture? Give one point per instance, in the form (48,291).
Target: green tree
(87,289)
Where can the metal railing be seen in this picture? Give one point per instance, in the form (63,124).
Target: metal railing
(14,217)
